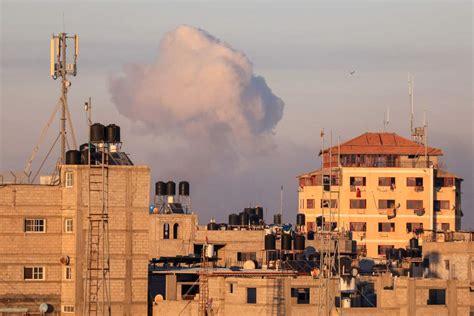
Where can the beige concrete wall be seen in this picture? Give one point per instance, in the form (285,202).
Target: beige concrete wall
(450,260)
(128,234)
(372,215)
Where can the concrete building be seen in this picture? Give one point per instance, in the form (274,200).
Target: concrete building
(43,242)
(383,188)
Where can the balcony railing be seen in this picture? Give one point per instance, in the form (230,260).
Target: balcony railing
(389,164)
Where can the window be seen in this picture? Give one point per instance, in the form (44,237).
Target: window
(325,203)
(301,294)
(251,295)
(444,182)
(166,231)
(382,249)
(442,226)
(437,297)
(446,264)
(68,273)
(310,203)
(412,227)
(441,205)
(414,204)
(387,182)
(189,291)
(414,182)
(68,308)
(35,225)
(358,226)
(175,231)
(359,204)
(244,256)
(386,204)
(33,273)
(69,179)
(68,225)
(231,288)
(387,227)
(357,181)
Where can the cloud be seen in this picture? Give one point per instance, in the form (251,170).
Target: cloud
(201,102)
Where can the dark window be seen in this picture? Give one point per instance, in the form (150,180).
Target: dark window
(251,295)
(357,181)
(442,226)
(359,204)
(446,264)
(387,227)
(412,227)
(437,297)
(175,231)
(189,291)
(441,205)
(231,288)
(387,182)
(166,231)
(414,182)
(325,203)
(310,203)
(386,204)
(382,249)
(301,294)
(244,256)
(358,226)
(414,204)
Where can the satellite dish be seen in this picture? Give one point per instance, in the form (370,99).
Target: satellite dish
(158,298)
(44,308)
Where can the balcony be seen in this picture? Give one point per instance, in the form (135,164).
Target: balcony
(388,164)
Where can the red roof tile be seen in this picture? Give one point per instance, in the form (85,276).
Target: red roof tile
(384,143)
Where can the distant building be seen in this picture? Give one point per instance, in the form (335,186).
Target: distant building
(383,188)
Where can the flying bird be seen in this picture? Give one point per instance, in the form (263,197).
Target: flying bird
(352,72)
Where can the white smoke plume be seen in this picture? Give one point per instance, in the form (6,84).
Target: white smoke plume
(201,101)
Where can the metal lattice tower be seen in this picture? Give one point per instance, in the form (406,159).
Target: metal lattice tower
(331,176)
(204,283)
(97,285)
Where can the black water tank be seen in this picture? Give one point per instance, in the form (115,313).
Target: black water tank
(212,226)
(409,253)
(346,263)
(310,235)
(389,253)
(285,242)
(160,188)
(414,243)
(73,157)
(84,149)
(170,188)
(250,210)
(299,242)
(234,219)
(416,253)
(183,188)
(254,220)
(300,219)
(244,218)
(97,133)
(112,133)
(277,219)
(320,221)
(259,211)
(270,242)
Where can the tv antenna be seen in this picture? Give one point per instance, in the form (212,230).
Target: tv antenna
(61,65)
(386,119)
(411,80)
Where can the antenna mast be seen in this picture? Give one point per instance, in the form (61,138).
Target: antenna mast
(411,79)
(61,67)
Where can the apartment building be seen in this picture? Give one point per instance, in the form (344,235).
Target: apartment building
(384,188)
(43,243)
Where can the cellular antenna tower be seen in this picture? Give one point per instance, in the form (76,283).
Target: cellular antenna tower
(62,66)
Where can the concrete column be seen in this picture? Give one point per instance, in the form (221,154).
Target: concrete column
(411,300)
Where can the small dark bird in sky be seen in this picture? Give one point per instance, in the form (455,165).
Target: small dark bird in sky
(352,72)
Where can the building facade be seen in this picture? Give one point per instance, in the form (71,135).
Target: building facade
(43,242)
(382,187)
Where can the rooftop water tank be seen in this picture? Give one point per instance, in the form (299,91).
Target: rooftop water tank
(183,188)
(212,226)
(299,242)
(160,188)
(112,133)
(277,219)
(286,242)
(414,243)
(73,157)
(234,219)
(300,219)
(270,242)
(170,188)
(244,218)
(259,211)
(97,131)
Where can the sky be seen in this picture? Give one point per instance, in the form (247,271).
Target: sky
(304,51)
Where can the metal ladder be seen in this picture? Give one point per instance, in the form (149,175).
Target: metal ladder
(97,300)
(278,304)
